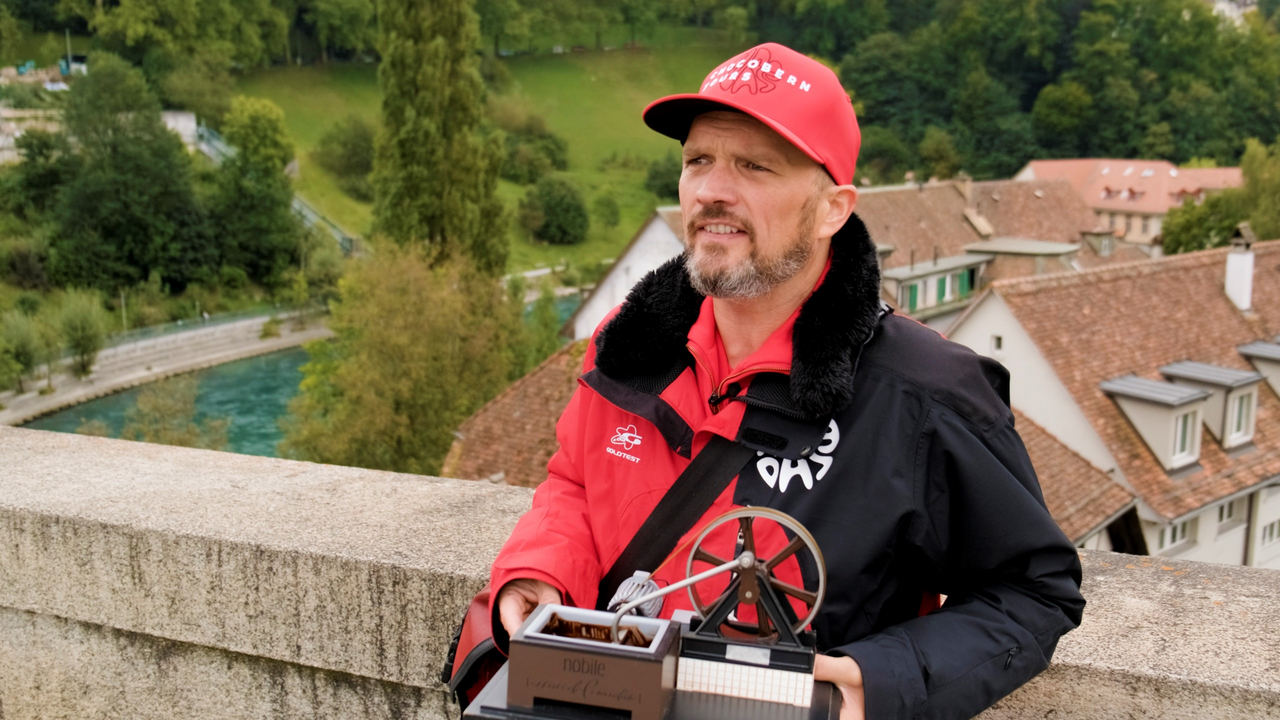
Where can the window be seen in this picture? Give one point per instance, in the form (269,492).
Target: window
(968,281)
(1184,427)
(1111,221)
(1175,534)
(997,343)
(1128,224)
(941,282)
(909,296)
(1241,418)
(1270,533)
(1146,224)
(1106,247)
(1228,512)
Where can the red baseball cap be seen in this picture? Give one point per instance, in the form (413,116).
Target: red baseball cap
(796,96)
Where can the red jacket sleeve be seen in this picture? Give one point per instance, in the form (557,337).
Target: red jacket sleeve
(553,542)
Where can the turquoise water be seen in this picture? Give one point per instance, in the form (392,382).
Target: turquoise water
(253,392)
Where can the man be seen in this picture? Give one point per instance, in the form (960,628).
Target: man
(893,446)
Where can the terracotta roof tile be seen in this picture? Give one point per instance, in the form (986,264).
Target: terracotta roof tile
(1132,318)
(1141,186)
(515,433)
(1080,496)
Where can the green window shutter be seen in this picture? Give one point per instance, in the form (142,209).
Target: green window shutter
(942,289)
(913,291)
(964,284)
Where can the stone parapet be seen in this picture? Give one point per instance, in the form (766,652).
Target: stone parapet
(142,581)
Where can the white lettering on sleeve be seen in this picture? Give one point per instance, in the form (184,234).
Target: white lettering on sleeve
(804,86)
(778,74)
(767,67)
(791,79)
(733,75)
(753,64)
(746,76)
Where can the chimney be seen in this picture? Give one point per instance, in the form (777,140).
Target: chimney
(1239,282)
(964,184)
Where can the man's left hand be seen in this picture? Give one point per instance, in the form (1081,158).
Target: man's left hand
(844,673)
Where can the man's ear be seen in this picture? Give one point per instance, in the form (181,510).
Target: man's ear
(841,200)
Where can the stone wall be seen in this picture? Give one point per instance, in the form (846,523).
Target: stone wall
(140,581)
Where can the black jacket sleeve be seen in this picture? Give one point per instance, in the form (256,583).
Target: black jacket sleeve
(1011,578)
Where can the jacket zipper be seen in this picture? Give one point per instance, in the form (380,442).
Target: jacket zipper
(717,392)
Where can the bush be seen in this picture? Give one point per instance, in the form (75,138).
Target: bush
(26,265)
(84,329)
(21,339)
(270,329)
(564,213)
(346,150)
(664,177)
(233,278)
(607,210)
(533,151)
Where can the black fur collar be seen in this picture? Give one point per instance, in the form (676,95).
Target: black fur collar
(650,330)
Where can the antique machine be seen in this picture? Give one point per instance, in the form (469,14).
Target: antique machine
(568,663)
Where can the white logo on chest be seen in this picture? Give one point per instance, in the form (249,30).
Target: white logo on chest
(779,473)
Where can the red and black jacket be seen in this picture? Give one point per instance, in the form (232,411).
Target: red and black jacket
(893,446)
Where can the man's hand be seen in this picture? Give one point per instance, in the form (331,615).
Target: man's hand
(844,673)
(518,598)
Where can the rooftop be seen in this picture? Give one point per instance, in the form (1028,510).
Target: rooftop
(1134,186)
(1211,374)
(1022,246)
(1261,349)
(1156,391)
(927,266)
(1135,318)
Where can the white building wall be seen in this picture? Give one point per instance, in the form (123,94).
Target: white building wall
(1034,387)
(655,245)
(1266,511)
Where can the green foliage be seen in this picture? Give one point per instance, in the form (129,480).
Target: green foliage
(248,33)
(419,345)
(533,151)
(1063,117)
(883,157)
(255,128)
(251,203)
(345,25)
(346,150)
(563,211)
(663,179)
(938,153)
(542,330)
(9,31)
(10,370)
(83,324)
(605,208)
(1210,224)
(199,82)
(734,20)
(20,335)
(435,176)
(26,264)
(131,207)
(47,164)
(270,328)
(166,414)
(1158,144)
(1261,168)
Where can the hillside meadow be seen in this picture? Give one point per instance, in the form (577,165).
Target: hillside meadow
(592,99)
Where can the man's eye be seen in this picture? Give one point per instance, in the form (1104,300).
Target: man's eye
(695,160)
(753,166)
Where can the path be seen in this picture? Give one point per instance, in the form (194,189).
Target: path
(126,366)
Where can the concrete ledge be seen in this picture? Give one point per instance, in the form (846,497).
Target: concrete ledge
(146,581)
(355,571)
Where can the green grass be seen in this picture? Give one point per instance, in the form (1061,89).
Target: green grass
(592,99)
(45,48)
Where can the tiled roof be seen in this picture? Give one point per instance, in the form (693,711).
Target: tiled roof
(1080,496)
(1102,324)
(1136,186)
(921,218)
(515,433)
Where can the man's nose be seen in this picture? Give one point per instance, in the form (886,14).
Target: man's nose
(715,184)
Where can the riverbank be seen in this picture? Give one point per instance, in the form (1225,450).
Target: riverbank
(143,362)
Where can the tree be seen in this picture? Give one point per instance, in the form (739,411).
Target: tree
(9,31)
(83,324)
(200,82)
(606,209)
(10,370)
(419,345)
(22,340)
(251,207)
(499,18)
(938,153)
(1194,227)
(131,207)
(435,175)
(564,212)
(346,150)
(1158,144)
(1261,168)
(165,414)
(342,24)
(663,179)
(1063,117)
(883,156)
(47,164)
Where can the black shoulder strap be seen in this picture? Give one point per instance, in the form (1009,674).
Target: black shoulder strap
(687,499)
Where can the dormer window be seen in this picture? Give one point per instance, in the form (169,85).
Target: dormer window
(1167,416)
(1232,401)
(1184,442)
(1265,356)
